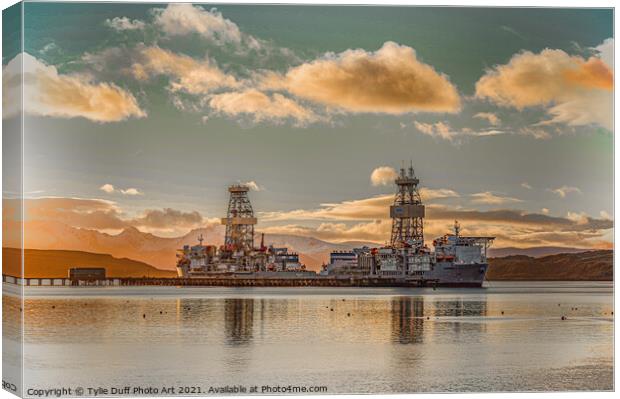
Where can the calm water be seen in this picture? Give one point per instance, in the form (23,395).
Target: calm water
(374,340)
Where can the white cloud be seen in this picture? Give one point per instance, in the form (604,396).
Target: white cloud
(108,188)
(131,191)
(564,190)
(46,92)
(262,107)
(490,198)
(124,23)
(252,185)
(489,117)
(444,131)
(428,194)
(605,51)
(383,175)
(184,19)
(578,217)
(439,129)
(526,185)
(536,132)
(544,211)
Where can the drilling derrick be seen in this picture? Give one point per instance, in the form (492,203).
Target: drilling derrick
(239,222)
(407,213)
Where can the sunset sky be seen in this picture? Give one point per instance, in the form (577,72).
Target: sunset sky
(142,115)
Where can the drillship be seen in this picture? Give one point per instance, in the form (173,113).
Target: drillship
(238,256)
(457,260)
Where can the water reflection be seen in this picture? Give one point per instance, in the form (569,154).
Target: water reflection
(408,320)
(239,320)
(448,340)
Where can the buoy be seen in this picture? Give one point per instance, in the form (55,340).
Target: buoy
(563,317)
(342,299)
(332,309)
(428,318)
(53,306)
(160,312)
(143,315)
(502,312)
(348,314)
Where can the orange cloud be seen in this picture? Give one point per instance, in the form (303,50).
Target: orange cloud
(361,209)
(577,91)
(593,73)
(187,74)
(98,214)
(511,227)
(49,93)
(390,80)
(358,220)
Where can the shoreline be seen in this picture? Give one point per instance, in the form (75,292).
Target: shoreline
(172,292)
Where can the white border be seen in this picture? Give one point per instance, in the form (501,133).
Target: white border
(477,3)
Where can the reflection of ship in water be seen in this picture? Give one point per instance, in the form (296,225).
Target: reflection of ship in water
(408,320)
(409,316)
(459,308)
(239,320)
(456,313)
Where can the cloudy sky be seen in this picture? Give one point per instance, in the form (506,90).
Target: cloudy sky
(141,115)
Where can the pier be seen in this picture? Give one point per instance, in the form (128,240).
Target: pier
(223,281)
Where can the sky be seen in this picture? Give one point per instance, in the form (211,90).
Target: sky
(142,114)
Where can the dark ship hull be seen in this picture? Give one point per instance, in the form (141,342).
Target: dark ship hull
(448,274)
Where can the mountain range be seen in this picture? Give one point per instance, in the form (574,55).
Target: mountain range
(160,252)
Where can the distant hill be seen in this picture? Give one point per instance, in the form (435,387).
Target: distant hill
(535,252)
(161,251)
(591,265)
(53,263)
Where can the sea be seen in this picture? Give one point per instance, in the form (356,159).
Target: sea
(152,341)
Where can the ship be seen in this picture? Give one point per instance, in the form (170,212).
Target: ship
(457,261)
(454,260)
